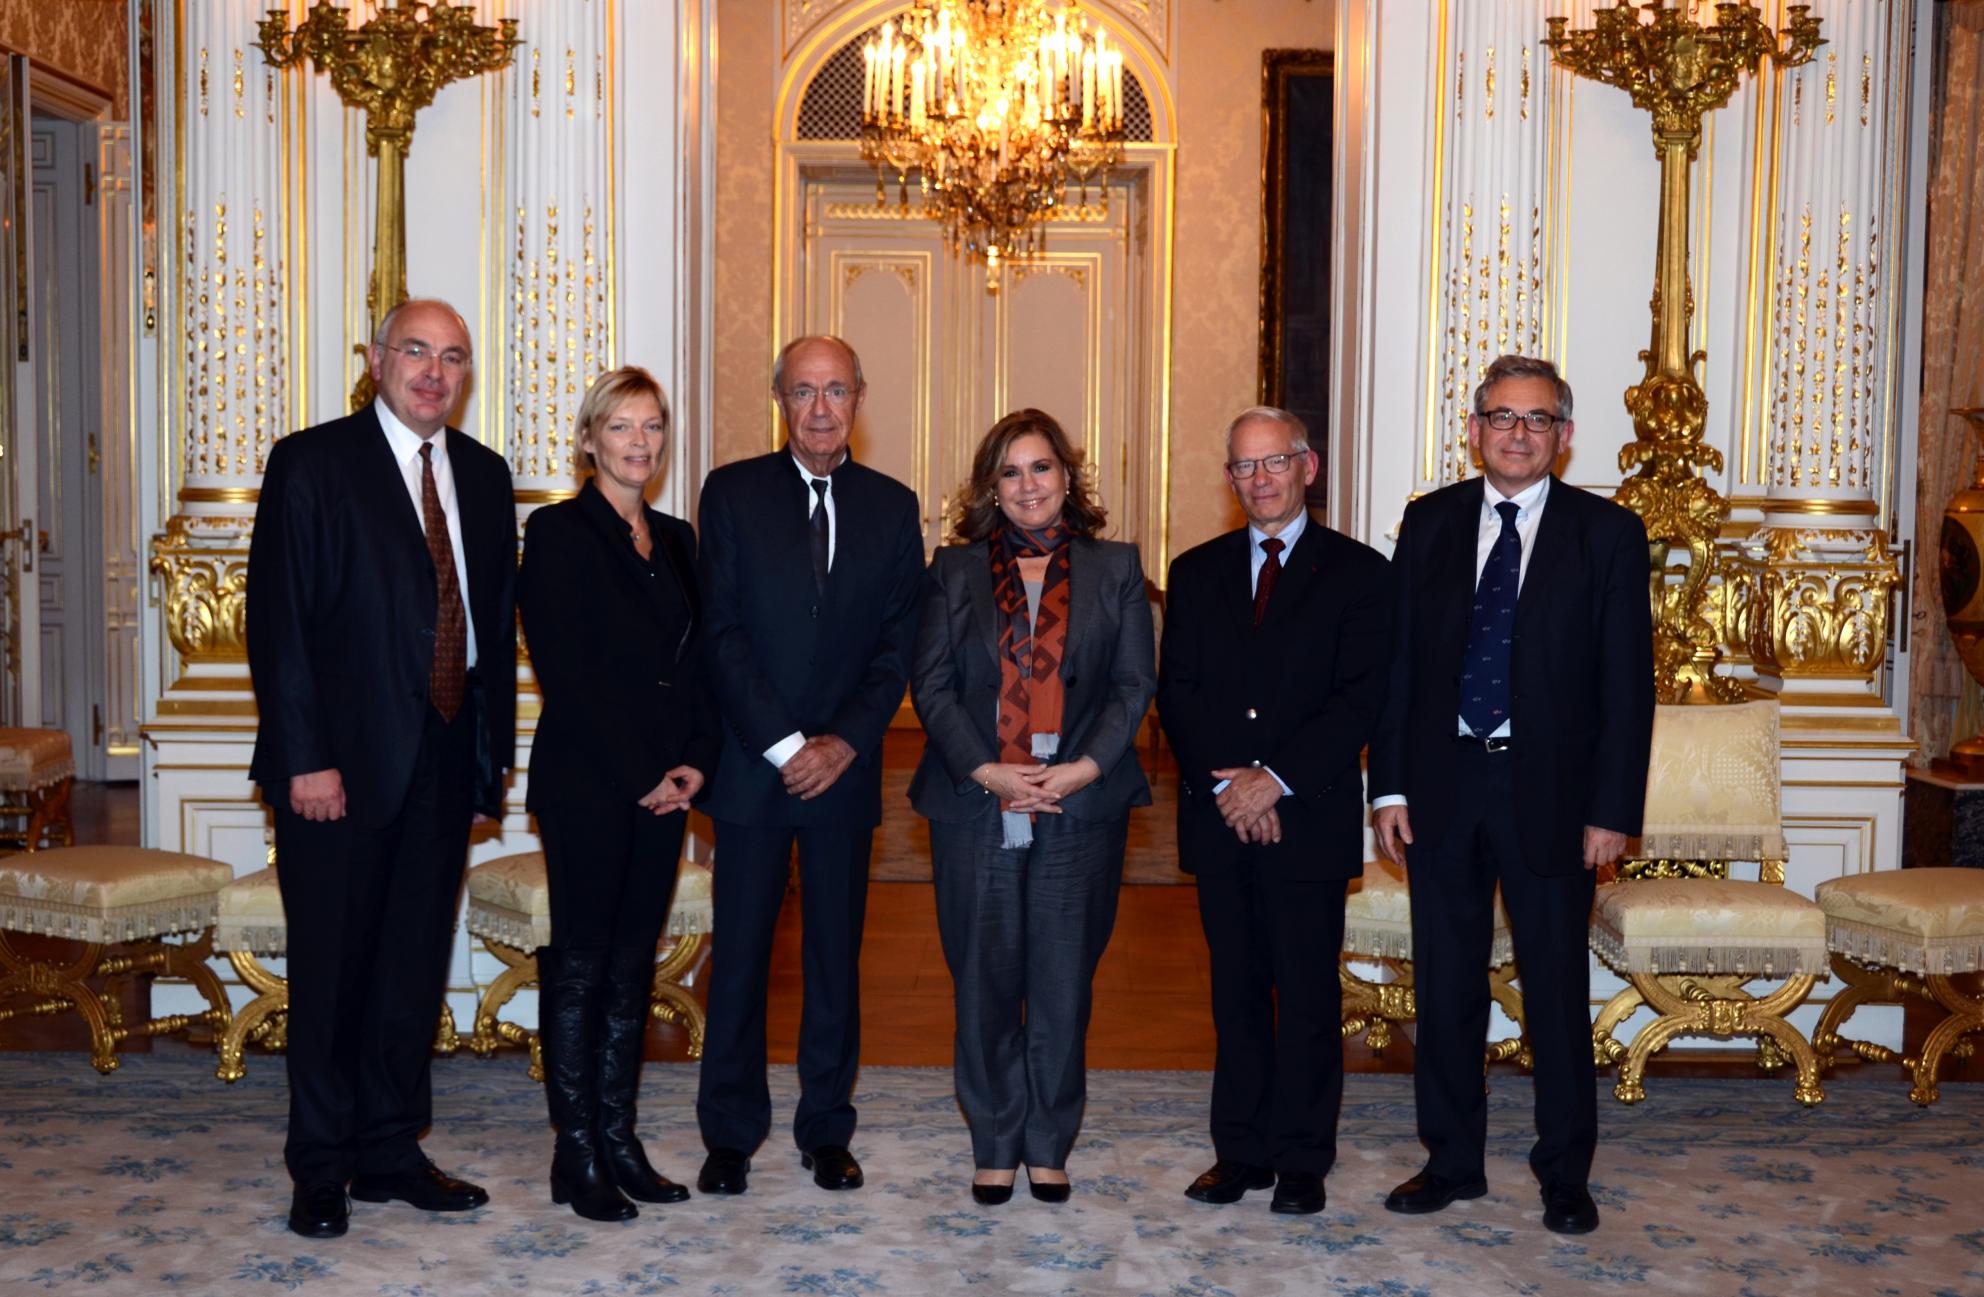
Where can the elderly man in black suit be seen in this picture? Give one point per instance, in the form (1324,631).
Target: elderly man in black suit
(1513,750)
(1269,683)
(382,642)
(810,568)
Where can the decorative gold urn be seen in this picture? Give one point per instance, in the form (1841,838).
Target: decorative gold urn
(1963,584)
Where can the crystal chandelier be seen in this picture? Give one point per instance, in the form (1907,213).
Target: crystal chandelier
(997,105)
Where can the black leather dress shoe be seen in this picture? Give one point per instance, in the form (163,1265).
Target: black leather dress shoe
(1297,1193)
(1427,1192)
(725,1170)
(1228,1181)
(421,1185)
(1568,1209)
(319,1210)
(833,1167)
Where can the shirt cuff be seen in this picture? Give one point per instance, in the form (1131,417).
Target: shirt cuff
(785,749)
(1286,791)
(1390,799)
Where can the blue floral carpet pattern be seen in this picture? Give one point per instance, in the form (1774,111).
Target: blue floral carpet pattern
(158,1179)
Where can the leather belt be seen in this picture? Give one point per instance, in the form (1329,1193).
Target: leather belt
(1490,745)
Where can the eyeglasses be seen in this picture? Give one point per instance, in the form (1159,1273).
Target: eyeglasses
(419,352)
(1242,469)
(1536,421)
(806,393)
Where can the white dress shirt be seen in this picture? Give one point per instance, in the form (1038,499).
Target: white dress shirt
(1529,504)
(406,444)
(783,751)
(1257,558)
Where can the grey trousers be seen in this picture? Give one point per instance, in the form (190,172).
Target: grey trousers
(1023,930)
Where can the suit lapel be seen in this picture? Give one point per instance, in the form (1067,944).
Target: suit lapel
(1298,573)
(1236,578)
(612,531)
(1084,579)
(1557,536)
(978,589)
(376,453)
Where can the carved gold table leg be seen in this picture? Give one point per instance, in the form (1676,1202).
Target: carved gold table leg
(1605,1047)
(520,970)
(671,1002)
(1719,1007)
(1859,984)
(259,1020)
(59,988)
(1966,1015)
(1502,989)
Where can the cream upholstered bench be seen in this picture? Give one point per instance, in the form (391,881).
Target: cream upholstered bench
(250,924)
(1377,927)
(37,772)
(1905,933)
(1687,937)
(509,908)
(119,902)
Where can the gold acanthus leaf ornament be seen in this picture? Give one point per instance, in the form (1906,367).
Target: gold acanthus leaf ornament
(206,594)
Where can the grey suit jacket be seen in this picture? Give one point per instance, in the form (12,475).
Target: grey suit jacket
(1109,671)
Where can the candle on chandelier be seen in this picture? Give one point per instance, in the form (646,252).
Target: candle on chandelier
(943,56)
(916,95)
(868,82)
(1088,88)
(898,58)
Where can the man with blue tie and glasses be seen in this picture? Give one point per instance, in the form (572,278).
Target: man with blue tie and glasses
(1513,751)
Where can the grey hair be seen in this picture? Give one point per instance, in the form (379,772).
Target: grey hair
(778,366)
(385,329)
(1298,432)
(1513,366)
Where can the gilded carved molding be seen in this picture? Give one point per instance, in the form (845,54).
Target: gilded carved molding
(204,575)
(1818,601)
(799,18)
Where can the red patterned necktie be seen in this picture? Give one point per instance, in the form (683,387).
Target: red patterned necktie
(1264,583)
(449,675)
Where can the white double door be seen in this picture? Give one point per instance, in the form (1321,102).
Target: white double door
(945,358)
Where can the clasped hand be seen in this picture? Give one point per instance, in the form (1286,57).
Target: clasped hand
(1247,803)
(813,769)
(1036,787)
(675,791)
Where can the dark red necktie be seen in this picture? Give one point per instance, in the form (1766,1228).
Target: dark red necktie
(1270,572)
(449,674)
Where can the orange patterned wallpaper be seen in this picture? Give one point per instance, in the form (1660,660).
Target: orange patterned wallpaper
(1216,285)
(82,39)
(747,82)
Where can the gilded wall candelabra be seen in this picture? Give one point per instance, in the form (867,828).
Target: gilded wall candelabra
(1678,70)
(389,68)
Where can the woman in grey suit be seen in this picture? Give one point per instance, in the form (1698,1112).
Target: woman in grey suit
(1034,664)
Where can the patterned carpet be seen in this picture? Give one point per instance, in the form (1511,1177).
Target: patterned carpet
(158,1179)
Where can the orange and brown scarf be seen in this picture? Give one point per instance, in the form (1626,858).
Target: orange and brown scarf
(1030,649)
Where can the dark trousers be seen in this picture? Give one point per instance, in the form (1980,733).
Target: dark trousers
(733,1102)
(371,912)
(1023,929)
(1453,897)
(1277,1010)
(611,874)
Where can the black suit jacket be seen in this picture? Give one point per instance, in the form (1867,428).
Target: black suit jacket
(613,643)
(1299,695)
(1581,698)
(341,613)
(1107,670)
(785,658)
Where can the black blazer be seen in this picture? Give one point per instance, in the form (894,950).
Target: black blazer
(613,643)
(1107,671)
(1299,694)
(341,613)
(787,659)
(1582,694)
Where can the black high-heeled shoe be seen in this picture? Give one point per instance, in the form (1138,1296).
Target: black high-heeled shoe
(991,1195)
(1047,1191)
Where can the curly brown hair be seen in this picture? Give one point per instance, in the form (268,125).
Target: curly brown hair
(976,516)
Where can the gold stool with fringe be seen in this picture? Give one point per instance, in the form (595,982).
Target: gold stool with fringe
(1902,934)
(251,925)
(1688,938)
(119,902)
(1377,928)
(509,908)
(37,772)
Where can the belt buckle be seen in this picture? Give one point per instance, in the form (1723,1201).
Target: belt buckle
(1495,745)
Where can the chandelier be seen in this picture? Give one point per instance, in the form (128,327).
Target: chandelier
(997,105)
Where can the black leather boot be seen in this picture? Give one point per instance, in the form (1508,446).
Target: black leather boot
(568,990)
(623,1019)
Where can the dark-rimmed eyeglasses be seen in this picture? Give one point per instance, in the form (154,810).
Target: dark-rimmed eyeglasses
(420,352)
(1241,469)
(1537,421)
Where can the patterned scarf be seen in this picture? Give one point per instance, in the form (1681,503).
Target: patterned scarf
(1030,651)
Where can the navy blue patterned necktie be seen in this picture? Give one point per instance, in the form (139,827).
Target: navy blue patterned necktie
(817,538)
(1484,680)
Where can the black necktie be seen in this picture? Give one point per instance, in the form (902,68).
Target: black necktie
(1484,682)
(822,547)
(1270,571)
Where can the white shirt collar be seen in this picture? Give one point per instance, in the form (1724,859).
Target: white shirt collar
(1530,497)
(406,443)
(810,475)
(1288,535)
